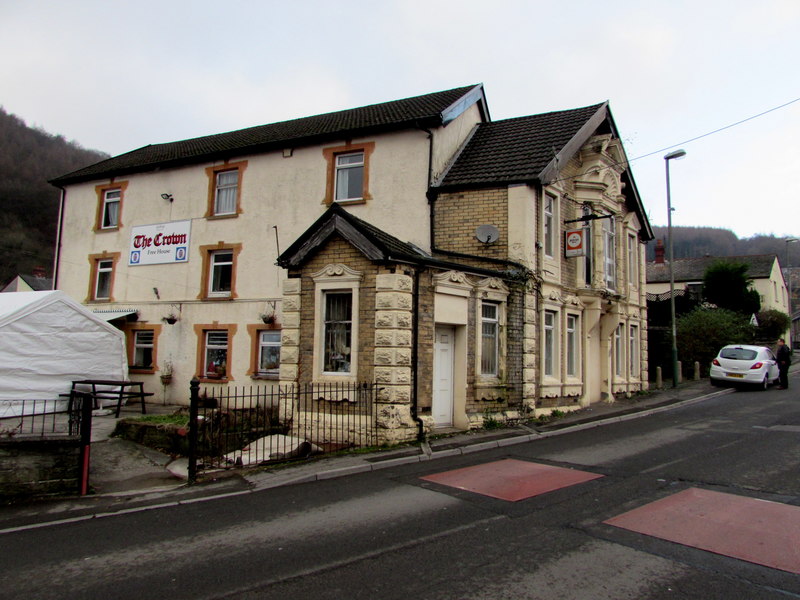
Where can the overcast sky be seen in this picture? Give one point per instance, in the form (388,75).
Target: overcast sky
(116,75)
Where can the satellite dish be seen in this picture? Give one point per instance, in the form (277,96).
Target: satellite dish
(487,234)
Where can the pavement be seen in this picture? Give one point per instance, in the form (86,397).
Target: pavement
(127,477)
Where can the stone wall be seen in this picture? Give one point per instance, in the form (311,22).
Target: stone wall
(39,466)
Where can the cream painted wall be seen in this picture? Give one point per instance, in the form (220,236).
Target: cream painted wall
(276,191)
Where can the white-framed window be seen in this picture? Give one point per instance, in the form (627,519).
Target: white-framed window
(633,350)
(269,352)
(226,190)
(338,331)
(610,253)
(549,224)
(633,260)
(215,363)
(349,176)
(550,337)
(143,346)
(111,204)
(572,345)
(105,271)
(220,273)
(619,350)
(490,338)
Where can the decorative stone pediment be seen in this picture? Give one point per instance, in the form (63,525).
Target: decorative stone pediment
(338,271)
(454,283)
(492,288)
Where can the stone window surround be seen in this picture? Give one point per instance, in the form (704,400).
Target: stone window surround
(254,331)
(495,291)
(206,252)
(212,172)
(94,261)
(200,330)
(333,278)
(101,190)
(330,155)
(130,334)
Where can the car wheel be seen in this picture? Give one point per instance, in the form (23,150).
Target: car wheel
(716,383)
(764,384)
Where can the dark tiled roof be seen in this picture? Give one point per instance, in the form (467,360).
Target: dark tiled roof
(424,110)
(693,269)
(516,150)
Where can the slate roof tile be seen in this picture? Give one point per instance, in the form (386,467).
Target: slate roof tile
(693,269)
(425,110)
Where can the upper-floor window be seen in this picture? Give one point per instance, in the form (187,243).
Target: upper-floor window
(225,189)
(102,289)
(633,260)
(111,199)
(337,334)
(349,176)
(610,253)
(490,338)
(348,172)
(549,224)
(109,206)
(219,271)
(101,283)
(221,275)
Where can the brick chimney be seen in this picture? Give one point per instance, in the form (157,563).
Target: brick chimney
(659,252)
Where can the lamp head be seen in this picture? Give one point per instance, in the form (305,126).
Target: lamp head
(675,154)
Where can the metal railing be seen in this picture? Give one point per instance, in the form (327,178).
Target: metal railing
(245,426)
(40,418)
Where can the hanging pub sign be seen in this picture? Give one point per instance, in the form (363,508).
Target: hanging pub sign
(575,242)
(160,243)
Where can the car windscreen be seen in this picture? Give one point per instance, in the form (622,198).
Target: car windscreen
(738,353)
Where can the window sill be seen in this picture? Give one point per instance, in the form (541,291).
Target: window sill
(213,380)
(271,377)
(351,201)
(217,298)
(105,229)
(216,217)
(141,370)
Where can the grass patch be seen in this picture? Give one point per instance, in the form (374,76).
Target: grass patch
(180,420)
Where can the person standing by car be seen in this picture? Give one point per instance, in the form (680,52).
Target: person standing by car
(784,356)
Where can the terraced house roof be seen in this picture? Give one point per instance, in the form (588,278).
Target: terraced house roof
(428,110)
(520,150)
(759,266)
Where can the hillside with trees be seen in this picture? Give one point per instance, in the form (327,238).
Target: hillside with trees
(29,157)
(696,242)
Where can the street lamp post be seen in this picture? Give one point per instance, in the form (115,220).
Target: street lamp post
(668,157)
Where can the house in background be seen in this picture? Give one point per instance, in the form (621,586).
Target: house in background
(35,282)
(763,269)
(471,268)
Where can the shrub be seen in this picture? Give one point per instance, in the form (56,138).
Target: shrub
(702,332)
(772,324)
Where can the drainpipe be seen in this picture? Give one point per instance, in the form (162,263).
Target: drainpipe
(414,358)
(57,258)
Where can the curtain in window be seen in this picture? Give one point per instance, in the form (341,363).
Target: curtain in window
(338,332)
(227,186)
(111,218)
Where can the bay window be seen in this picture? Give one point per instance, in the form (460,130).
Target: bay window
(490,338)
(550,336)
(338,331)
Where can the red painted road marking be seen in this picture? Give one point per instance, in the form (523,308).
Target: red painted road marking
(511,479)
(758,531)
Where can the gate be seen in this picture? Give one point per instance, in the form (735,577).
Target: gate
(246,426)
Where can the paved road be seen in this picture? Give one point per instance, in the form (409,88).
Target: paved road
(388,534)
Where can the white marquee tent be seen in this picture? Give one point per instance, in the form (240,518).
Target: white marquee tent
(47,340)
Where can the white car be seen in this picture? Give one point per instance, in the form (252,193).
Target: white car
(744,365)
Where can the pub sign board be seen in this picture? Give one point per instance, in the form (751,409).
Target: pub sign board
(575,242)
(161,243)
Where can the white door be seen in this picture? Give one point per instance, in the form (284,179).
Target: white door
(442,407)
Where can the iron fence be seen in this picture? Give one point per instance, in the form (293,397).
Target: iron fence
(243,426)
(40,418)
